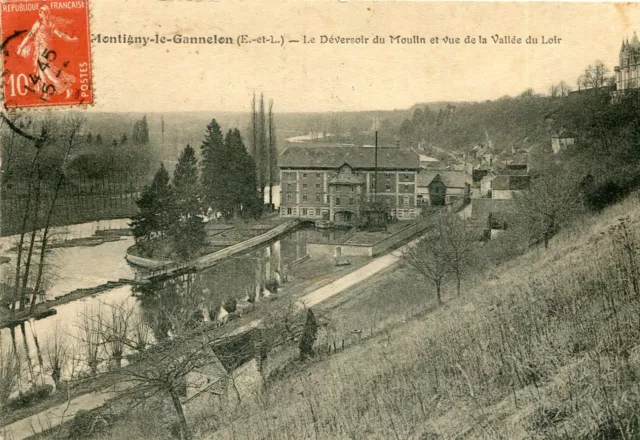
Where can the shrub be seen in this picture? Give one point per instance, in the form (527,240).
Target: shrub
(230,304)
(31,395)
(272,285)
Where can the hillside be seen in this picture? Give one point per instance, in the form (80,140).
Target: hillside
(546,346)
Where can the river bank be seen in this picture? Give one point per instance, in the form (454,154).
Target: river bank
(310,276)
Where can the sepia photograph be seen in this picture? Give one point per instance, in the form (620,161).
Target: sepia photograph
(319,220)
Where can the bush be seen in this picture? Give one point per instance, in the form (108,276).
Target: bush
(30,396)
(271,285)
(230,304)
(81,425)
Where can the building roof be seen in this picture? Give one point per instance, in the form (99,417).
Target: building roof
(451,179)
(308,156)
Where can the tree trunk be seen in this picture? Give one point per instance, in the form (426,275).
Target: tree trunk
(184,428)
(458,282)
(438,293)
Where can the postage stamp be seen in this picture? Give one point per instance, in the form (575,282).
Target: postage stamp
(46,49)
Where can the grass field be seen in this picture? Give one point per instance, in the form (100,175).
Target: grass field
(544,346)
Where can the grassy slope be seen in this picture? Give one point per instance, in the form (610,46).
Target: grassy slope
(545,349)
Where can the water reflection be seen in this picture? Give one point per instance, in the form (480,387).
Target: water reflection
(162,308)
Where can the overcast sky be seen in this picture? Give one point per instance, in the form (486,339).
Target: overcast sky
(330,77)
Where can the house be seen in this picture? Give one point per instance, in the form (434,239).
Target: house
(332,182)
(485,183)
(503,186)
(561,141)
(437,188)
(492,216)
(627,73)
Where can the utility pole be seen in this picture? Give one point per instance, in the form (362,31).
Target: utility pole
(375,173)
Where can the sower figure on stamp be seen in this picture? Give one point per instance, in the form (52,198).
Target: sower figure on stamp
(37,46)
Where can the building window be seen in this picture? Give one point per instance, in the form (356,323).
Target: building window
(304,186)
(317,186)
(312,212)
(337,201)
(304,198)
(289,211)
(289,198)
(318,198)
(304,211)
(406,200)
(327,198)
(388,187)
(353,188)
(387,175)
(350,200)
(304,175)
(318,175)
(289,186)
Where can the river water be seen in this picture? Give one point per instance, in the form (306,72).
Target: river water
(241,277)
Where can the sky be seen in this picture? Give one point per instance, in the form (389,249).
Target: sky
(343,77)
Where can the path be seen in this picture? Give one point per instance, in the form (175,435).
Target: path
(54,416)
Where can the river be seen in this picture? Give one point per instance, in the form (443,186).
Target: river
(241,278)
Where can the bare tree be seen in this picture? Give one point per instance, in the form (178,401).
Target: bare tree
(9,373)
(90,339)
(71,129)
(427,258)
(563,89)
(57,353)
(552,200)
(594,76)
(459,240)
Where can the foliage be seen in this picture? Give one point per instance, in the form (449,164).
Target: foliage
(229,174)
(187,227)
(30,396)
(141,132)
(214,166)
(154,208)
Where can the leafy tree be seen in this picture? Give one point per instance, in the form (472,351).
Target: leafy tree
(242,183)
(141,132)
(187,229)
(154,208)
(99,139)
(215,169)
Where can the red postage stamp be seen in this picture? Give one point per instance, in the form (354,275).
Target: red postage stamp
(46,49)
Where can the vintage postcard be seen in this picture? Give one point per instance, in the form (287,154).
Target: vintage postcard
(319,220)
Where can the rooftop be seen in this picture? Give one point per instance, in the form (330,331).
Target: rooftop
(312,156)
(451,179)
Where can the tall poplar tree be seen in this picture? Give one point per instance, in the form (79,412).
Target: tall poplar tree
(261,153)
(272,154)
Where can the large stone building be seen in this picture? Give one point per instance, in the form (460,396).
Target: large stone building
(332,182)
(627,74)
